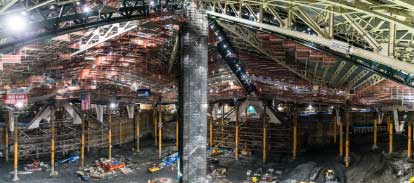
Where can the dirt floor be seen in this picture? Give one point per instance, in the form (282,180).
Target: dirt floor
(368,166)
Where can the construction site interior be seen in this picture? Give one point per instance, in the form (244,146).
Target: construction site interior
(206,91)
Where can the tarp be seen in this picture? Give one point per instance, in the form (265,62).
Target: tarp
(130,109)
(75,116)
(99,112)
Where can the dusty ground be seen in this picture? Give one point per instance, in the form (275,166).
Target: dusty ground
(367,166)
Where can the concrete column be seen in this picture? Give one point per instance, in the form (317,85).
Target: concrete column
(193,97)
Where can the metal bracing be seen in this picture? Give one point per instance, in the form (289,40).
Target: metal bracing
(366,58)
(370,81)
(348,74)
(70,17)
(363,24)
(103,34)
(358,78)
(337,71)
(251,38)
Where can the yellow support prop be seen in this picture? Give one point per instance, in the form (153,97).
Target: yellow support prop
(211,131)
(294,142)
(159,132)
(52,143)
(83,144)
(334,129)
(410,138)
(16,148)
(110,137)
(375,131)
(347,140)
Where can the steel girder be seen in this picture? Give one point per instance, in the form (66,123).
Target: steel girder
(362,24)
(388,67)
(70,17)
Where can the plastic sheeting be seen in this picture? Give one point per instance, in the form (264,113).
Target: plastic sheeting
(43,115)
(99,112)
(130,109)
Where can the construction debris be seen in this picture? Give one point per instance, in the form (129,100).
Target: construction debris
(103,168)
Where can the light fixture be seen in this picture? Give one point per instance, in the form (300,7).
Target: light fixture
(280,108)
(52,7)
(152,3)
(16,23)
(77,3)
(112,105)
(86,9)
(19,105)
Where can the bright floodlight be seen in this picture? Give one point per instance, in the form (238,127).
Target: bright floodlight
(19,105)
(112,105)
(86,9)
(16,23)
(152,3)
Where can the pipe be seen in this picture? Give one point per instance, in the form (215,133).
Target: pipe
(6,137)
(52,143)
(83,144)
(110,137)
(236,145)
(375,132)
(391,133)
(137,129)
(16,149)
(347,160)
(410,136)
(334,129)
(159,132)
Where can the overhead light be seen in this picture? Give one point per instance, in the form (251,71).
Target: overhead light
(19,105)
(16,23)
(86,9)
(152,3)
(52,7)
(77,3)
(112,105)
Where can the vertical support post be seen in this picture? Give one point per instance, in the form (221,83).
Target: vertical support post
(264,150)
(154,118)
(52,143)
(375,132)
(391,134)
(193,97)
(334,128)
(82,144)
(260,18)
(159,132)
(16,148)
(290,18)
(341,139)
(6,137)
(347,160)
(110,136)
(88,135)
(120,130)
(295,124)
(211,131)
(177,132)
(236,143)
(410,138)
(138,129)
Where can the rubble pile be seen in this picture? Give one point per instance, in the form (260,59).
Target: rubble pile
(103,168)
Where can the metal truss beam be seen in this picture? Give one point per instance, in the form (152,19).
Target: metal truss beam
(356,55)
(357,78)
(251,38)
(348,74)
(103,34)
(337,71)
(372,80)
(361,31)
